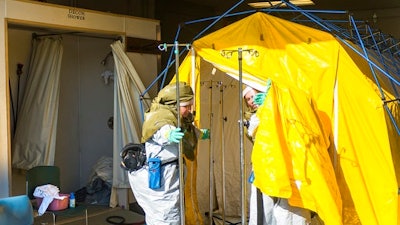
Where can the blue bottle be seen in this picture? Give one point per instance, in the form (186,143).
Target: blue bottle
(72,200)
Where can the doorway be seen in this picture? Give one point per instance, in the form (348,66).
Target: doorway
(85,101)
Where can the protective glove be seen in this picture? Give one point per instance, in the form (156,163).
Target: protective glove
(251,178)
(205,134)
(175,135)
(259,98)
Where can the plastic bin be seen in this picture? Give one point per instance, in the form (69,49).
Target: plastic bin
(56,204)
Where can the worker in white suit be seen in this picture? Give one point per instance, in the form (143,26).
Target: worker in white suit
(156,185)
(264,209)
(261,205)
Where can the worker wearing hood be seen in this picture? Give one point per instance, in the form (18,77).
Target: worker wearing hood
(156,185)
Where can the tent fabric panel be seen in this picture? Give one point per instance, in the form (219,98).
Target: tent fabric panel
(306,68)
(394,107)
(260,29)
(295,133)
(363,153)
(298,63)
(290,67)
(389,89)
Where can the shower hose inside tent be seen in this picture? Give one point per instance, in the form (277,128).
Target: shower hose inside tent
(218,97)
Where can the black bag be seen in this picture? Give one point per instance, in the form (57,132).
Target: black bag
(133,157)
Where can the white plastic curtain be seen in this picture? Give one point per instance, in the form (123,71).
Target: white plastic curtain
(35,135)
(128,114)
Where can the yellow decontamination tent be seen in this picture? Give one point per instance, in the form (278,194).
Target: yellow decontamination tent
(325,140)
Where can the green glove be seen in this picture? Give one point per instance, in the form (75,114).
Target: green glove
(205,134)
(259,98)
(175,135)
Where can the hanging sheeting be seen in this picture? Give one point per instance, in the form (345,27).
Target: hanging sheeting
(128,108)
(35,136)
(295,155)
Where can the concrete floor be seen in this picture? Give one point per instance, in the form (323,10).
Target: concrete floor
(97,215)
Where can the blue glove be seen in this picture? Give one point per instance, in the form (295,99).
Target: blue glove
(175,135)
(205,134)
(251,178)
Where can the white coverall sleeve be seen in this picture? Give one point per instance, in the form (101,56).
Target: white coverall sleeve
(161,136)
(160,146)
(253,125)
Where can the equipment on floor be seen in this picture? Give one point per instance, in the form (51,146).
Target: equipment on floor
(120,220)
(42,175)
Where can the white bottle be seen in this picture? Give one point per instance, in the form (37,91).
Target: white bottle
(72,200)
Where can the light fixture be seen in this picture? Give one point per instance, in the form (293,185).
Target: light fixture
(270,4)
(375,18)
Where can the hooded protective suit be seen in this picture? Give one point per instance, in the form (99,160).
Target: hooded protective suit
(161,205)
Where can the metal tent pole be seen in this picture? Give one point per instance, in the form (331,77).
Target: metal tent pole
(180,159)
(164,47)
(242,159)
(223,119)
(228,54)
(211,159)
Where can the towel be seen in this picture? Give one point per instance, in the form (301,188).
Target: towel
(48,192)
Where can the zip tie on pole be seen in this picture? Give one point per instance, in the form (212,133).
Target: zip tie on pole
(162,47)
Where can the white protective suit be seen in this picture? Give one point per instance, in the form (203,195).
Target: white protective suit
(267,202)
(161,206)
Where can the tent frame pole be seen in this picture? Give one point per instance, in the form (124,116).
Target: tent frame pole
(180,159)
(228,54)
(211,157)
(163,47)
(223,120)
(242,159)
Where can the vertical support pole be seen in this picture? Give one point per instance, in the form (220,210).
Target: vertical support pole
(221,92)
(242,159)
(211,158)
(181,177)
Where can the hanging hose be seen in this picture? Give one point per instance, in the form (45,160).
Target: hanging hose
(120,220)
(14,111)
(19,73)
(12,103)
